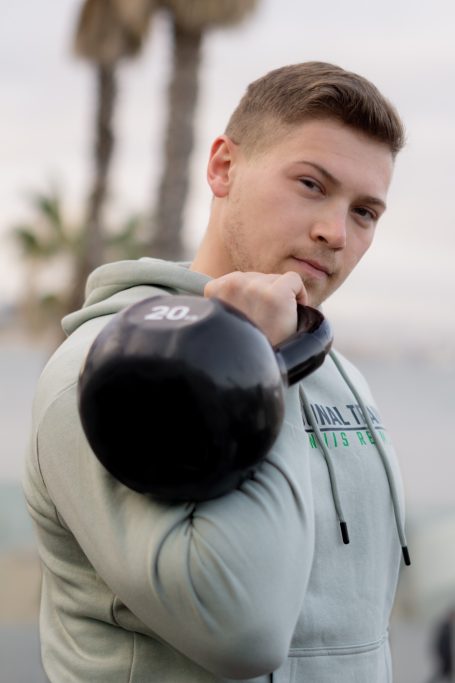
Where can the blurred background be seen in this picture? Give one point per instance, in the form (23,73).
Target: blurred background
(108,111)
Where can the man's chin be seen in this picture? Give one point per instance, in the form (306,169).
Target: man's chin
(319,292)
(315,297)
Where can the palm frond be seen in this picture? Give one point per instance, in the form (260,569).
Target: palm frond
(27,239)
(199,15)
(107,31)
(48,208)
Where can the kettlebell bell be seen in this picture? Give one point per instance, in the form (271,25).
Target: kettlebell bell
(181,397)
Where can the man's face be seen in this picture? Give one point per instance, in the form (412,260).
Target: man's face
(310,204)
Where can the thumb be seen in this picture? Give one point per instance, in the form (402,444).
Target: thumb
(295,282)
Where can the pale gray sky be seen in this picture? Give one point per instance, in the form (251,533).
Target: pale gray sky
(402,293)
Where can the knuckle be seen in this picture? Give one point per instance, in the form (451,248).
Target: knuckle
(224,286)
(292,276)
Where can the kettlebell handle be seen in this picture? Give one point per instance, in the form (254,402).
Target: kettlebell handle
(305,350)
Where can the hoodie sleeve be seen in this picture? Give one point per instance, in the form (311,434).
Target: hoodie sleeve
(234,568)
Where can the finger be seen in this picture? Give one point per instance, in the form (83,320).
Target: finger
(238,282)
(291,285)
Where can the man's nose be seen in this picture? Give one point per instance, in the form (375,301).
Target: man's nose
(331,229)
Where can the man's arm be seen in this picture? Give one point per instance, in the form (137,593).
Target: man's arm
(221,581)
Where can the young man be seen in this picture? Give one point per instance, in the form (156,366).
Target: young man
(258,584)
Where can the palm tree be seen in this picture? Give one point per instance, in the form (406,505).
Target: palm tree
(191,19)
(51,244)
(107,31)
(46,242)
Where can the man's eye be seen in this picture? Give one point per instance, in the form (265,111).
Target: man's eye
(365,213)
(310,184)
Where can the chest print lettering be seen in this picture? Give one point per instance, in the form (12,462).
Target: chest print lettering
(343,426)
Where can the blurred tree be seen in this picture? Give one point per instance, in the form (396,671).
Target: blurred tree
(107,31)
(53,247)
(190,21)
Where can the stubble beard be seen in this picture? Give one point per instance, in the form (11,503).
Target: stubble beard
(234,244)
(241,260)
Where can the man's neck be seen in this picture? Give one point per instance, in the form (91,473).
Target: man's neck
(210,258)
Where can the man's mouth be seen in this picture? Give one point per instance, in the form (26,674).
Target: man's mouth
(314,268)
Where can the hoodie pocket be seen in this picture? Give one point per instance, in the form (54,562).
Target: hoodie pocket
(367,662)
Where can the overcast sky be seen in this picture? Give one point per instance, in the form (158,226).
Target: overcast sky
(402,292)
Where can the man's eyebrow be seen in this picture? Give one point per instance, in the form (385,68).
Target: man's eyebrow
(324,172)
(374,200)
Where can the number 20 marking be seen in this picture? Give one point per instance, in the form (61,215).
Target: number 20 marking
(167,313)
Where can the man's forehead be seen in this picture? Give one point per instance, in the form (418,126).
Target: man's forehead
(325,131)
(338,152)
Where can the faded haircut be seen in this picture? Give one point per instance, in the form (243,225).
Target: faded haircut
(297,93)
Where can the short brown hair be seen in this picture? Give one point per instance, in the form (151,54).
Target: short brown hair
(313,90)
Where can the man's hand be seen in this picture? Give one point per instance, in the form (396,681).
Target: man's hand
(269,300)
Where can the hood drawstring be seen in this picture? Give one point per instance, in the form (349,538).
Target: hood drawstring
(382,453)
(328,459)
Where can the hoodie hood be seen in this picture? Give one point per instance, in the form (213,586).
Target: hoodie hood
(113,286)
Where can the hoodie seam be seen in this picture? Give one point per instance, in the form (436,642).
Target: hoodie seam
(339,650)
(133,654)
(38,460)
(43,417)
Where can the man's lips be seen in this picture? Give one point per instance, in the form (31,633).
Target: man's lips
(314,267)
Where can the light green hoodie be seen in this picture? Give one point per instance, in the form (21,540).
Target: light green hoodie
(256,585)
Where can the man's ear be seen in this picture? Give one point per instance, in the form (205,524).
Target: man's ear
(221,163)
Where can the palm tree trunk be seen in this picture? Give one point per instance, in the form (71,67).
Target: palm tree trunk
(173,190)
(104,144)
(93,245)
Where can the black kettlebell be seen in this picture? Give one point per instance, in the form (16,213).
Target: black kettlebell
(181,396)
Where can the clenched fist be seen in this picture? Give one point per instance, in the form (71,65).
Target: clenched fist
(269,300)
